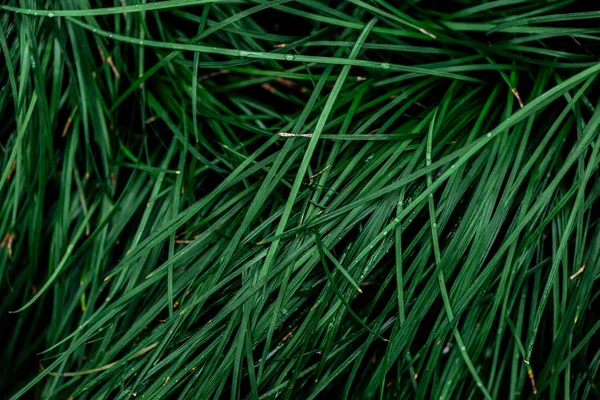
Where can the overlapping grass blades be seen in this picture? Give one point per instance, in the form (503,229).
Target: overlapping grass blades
(299,199)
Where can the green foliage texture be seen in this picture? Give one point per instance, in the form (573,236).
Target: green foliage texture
(252,199)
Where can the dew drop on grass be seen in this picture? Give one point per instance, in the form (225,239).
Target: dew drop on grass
(51,14)
(489,135)
(243,53)
(384,66)
(289,57)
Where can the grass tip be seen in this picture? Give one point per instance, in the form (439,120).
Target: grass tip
(431,35)
(516,93)
(579,271)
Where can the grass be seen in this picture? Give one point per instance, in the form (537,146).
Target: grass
(299,199)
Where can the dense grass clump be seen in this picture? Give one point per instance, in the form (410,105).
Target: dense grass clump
(255,199)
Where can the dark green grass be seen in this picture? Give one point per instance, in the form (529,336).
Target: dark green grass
(299,199)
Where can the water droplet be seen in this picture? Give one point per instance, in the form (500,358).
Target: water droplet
(50,14)
(452,166)
(289,57)
(434,225)
(141,42)
(371,246)
(384,66)
(110,36)
(384,233)
(478,384)
(462,348)
(243,53)
(489,135)
(396,220)
(95,30)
